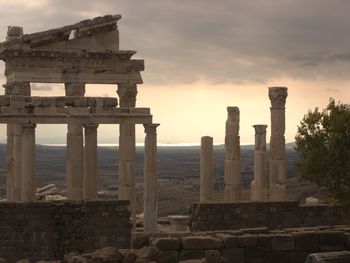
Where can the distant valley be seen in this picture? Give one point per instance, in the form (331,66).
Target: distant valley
(178,173)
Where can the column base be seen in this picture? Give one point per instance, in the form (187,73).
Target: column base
(277,192)
(232,193)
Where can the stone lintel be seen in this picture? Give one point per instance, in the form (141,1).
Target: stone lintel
(118,119)
(60,101)
(54,56)
(88,76)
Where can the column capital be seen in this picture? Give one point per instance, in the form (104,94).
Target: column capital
(28,128)
(74,89)
(127,95)
(278,96)
(260,128)
(151,128)
(90,128)
(75,129)
(91,125)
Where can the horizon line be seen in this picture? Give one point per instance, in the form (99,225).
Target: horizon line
(182,144)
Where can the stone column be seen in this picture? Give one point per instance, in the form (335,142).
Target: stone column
(150,191)
(75,150)
(259,186)
(127,151)
(232,169)
(207,169)
(28,162)
(10,180)
(16,176)
(75,162)
(14,146)
(277,168)
(90,161)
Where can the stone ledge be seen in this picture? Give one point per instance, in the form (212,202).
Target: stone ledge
(286,245)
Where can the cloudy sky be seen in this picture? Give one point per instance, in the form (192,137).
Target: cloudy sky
(203,55)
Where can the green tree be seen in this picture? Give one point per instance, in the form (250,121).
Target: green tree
(323,142)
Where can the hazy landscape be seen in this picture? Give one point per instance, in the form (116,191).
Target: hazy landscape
(178,173)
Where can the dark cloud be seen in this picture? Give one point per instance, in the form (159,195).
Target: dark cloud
(221,41)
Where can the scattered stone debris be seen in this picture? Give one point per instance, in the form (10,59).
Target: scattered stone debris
(311,200)
(49,193)
(113,255)
(336,256)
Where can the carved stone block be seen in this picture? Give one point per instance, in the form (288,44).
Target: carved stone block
(110,102)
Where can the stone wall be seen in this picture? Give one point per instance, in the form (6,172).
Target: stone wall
(48,230)
(253,245)
(273,215)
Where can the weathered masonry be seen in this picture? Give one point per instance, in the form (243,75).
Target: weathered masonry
(83,53)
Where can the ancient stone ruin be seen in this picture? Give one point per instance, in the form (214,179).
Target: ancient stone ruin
(269,182)
(83,53)
(267,229)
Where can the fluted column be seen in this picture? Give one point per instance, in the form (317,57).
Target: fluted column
(206,169)
(13,147)
(259,186)
(127,151)
(75,162)
(277,168)
(232,169)
(28,162)
(150,193)
(75,149)
(90,161)
(16,176)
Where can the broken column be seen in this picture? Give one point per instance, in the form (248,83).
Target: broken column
(277,168)
(259,186)
(75,150)
(206,169)
(28,162)
(127,151)
(232,169)
(150,193)
(90,161)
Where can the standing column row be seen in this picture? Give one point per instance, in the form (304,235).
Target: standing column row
(259,186)
(232,166)
(14,146)
(277,169)
(127,151)
(150,193)
(75,162)
(206,169)
(82,162)
(127,167)
(75,150)
(21,183)
(90,161)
